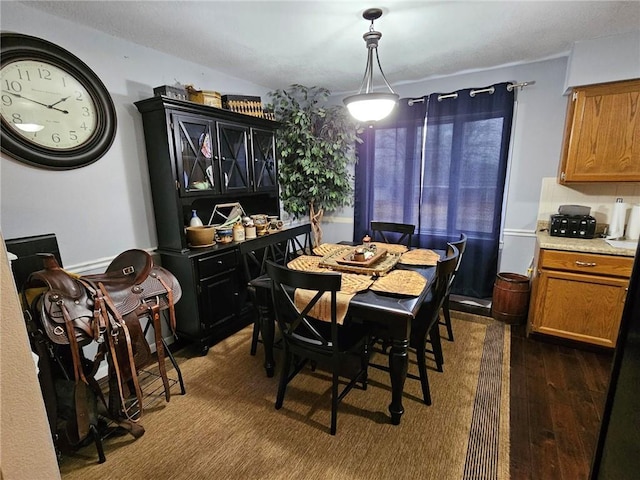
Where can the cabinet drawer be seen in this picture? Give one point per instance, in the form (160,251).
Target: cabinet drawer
(589,263)
(210,266)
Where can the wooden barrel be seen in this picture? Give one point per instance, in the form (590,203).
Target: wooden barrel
(510,301)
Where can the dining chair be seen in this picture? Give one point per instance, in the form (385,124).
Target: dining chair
(341,349)
(254,255)
(425,327)
(389,232)
(461,246)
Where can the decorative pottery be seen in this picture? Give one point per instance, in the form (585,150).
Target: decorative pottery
(199,236)
(224,234)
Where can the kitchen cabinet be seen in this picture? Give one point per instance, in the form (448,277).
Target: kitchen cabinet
(602,134)
(200,156)
(578,296)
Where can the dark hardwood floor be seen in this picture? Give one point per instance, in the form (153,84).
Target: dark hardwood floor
(557,400)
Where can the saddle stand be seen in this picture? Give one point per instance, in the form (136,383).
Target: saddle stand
(106,308)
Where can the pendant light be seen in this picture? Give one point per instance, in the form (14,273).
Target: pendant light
(368,106)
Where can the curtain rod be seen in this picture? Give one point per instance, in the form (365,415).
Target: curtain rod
(473,93)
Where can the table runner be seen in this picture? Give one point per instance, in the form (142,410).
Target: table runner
(306,263)
(351,284)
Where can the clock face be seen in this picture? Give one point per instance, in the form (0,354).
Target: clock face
(46,105)
(55,112)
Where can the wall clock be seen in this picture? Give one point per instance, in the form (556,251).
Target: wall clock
(55,111)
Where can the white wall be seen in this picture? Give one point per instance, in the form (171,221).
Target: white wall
(103,209)
(594,61)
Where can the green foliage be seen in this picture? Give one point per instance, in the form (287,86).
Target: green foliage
(316,143)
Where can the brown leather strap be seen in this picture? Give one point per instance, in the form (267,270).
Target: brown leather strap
(119,323)
(73,345)
(132,365)
(80,394)
(157,330)
(172,313)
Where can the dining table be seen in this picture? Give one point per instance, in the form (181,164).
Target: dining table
(389,314)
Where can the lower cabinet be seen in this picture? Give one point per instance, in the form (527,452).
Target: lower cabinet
(215,301)
(212,306)
(579,296)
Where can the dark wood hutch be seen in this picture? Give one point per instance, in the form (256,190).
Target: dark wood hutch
(201,156)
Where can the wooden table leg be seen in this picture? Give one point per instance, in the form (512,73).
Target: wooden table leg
(267,330)
(398,364)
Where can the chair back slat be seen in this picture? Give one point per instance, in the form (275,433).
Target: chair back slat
(295,323)
(461,246)
(444,271)
(389,232)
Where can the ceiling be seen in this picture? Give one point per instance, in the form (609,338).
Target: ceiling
(277,43)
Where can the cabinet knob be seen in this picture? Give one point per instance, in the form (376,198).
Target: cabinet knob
(586,264)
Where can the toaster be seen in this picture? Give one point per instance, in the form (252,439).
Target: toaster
(572,226)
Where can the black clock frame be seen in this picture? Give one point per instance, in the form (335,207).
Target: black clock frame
(15,46)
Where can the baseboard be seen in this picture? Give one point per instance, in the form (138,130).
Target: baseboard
(476,306)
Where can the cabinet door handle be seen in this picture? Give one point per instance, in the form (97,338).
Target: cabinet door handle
(586,264)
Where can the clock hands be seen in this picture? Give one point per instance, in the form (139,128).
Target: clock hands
(59,101)
(40,103)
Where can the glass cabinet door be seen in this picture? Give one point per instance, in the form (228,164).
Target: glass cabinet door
(195,155)
(234,156)
(264,164)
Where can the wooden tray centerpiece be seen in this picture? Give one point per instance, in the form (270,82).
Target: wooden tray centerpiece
(361,257)
(342,260)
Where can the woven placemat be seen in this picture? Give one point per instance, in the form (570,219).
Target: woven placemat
(391,247)
(351,282)
(400,282)
(327,248)
(379,268)
(306,263)
(322,309)
(354,283)
(420,256)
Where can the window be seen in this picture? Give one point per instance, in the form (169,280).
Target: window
(446,178)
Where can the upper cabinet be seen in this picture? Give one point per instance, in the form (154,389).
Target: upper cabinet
(602,134)
(200,156)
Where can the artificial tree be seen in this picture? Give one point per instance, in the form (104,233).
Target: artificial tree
(316,144)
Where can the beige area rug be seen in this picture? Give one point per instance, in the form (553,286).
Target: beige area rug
(226,426)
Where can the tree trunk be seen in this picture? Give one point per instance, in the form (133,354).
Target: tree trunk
(316,219)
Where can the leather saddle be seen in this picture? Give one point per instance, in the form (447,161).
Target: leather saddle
(131,281)
(107,308)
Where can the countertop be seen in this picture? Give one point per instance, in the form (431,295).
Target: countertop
(595,245)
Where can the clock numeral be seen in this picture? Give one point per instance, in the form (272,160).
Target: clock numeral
(13,85)
(85,112)
(7,101)
(44,74)
(25,75)
(73,135)
(55,138)
(16,118)
(79,96)
(84,126)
